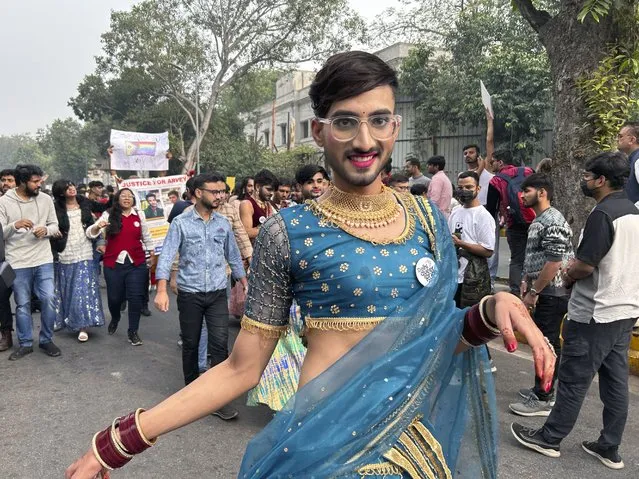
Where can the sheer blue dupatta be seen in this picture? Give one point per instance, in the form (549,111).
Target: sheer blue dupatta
(399,404)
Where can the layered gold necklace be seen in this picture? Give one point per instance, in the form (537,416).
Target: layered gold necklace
(359,211)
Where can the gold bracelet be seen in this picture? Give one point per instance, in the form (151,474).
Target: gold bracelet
(148,442)
(488,325)
(116,442)
(97,454)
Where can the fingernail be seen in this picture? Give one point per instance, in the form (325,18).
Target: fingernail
(511,347)
(547,388)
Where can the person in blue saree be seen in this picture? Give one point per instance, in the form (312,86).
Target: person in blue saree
(390,385)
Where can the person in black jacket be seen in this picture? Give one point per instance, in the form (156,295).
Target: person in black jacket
(6,317)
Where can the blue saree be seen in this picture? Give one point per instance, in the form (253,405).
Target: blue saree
(401,403)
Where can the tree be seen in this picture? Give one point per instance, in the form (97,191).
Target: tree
(23,149)
(578,37)
(194,49)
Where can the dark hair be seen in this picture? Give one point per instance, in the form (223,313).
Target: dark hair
(414,162)
(240,187)
(469,174)
(115,213)
(173,193)
(307,172)
(285,182)
(93,184)
(347,75)
(25,172)
(505,155)
(59,188)
(438,161)
(227,188)
(398,178)
(388,167)
(539,181)
(634,127)
(613,165)
(8,172)
(81,186)
(201,179)
(265,178)
(472,145)
(189,185)
(151,195)
(418,189)
(110,189)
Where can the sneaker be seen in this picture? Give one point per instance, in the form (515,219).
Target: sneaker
(531,406)
(50,349)
(493,368)
(145,311)
(134,339)
(525,392)
(113,326)
(20,353)
(226,412)
(533,439)
(609,457)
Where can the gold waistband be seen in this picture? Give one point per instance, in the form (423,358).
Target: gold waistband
(342,324)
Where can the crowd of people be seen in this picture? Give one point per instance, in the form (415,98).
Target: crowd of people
(364,252)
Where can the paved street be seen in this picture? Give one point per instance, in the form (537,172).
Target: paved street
(50,407)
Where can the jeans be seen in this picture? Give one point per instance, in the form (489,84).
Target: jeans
(591,348)
(6,317)
(126,282)
(549,313)
(203,349)
(195,308)
(38,279)
(517,238)
(493,261)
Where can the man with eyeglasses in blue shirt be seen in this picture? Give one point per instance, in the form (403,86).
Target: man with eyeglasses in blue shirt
(206,243)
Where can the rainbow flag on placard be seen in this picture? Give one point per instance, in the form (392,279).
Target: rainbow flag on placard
(140,148)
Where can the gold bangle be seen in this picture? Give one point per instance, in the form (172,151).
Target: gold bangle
(488,325)
(97,454)
(148,442)
(116,442)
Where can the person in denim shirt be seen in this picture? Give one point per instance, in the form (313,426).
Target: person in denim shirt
(206,243)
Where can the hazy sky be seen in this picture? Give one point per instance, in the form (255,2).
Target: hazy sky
(47,46)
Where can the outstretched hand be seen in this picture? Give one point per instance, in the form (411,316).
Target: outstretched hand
(87,467)
(510,315)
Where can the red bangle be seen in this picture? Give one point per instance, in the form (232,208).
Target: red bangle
(476,333)
(131,436)
(106,451)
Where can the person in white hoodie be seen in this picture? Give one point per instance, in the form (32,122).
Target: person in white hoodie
(28,220)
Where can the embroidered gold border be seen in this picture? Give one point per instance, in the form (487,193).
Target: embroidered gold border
(428,224)
(342,324)
(380,469)
(263,329)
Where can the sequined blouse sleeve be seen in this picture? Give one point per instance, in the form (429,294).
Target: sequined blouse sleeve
(269,297)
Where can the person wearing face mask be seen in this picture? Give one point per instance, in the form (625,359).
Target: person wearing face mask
(473,231)
(603,306)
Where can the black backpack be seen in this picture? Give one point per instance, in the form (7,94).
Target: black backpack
(520,214)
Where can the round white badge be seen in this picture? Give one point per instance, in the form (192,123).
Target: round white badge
(136,224)
(425,270)
(262,220)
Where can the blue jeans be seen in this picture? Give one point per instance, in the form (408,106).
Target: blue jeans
(38,280)
(203,349)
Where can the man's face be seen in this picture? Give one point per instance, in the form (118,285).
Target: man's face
(173,199)
(283,193)
(265,193)
(626,141)
(32,187)
(96,191)
(211,194)
(401,187)
(357,162)
(468,189)
(153,202)
(471,155)
(432,169)
(7,182)
(530,196)
(250,187)
(409,168)
(315,187)
(296,194)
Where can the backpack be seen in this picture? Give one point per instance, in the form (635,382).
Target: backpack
(519,214)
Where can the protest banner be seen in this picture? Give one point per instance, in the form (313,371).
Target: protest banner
(486,99)
(139,151)
(152,199)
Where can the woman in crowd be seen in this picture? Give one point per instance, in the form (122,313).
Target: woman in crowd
(77,290)
(125,269)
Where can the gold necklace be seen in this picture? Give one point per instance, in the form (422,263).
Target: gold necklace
(359,211)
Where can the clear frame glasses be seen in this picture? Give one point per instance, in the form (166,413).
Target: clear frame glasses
(346,128)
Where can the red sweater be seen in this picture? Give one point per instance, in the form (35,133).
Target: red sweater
(128,239)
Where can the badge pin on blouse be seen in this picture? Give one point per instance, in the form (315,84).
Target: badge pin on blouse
(425,270)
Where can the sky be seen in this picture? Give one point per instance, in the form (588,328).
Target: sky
(48,46)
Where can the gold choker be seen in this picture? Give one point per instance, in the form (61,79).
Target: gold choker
(359,211)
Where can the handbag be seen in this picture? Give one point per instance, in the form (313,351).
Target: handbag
(7,275)
(238,299)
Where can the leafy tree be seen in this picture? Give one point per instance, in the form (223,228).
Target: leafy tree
(23,149)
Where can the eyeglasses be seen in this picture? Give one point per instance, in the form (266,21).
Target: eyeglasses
(213,192)
(345,128)
(127,197)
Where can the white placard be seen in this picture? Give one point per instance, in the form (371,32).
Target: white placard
(139,151)
(486,100)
